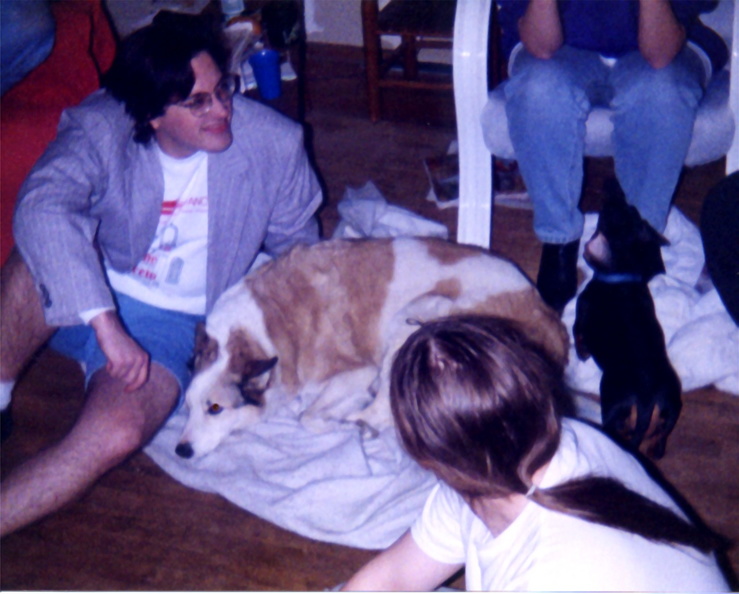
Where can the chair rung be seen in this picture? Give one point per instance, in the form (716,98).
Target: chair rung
(414,84)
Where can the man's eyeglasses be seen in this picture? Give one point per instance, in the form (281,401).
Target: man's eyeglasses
(201,103)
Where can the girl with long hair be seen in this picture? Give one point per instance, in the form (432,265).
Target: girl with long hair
(527,499)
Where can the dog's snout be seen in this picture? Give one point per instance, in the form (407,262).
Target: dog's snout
(184,450)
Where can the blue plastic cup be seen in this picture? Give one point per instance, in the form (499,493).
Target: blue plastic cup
(266,66)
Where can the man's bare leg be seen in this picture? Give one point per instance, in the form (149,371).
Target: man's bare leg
(23,329)
(113,424)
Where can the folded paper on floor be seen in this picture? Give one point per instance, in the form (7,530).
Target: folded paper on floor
(343,488)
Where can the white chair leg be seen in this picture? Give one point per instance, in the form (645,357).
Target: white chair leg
(470,61)
(732,157)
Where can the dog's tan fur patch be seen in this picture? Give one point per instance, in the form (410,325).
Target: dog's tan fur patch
(439,250)
(331,307)
(540,322)
(450,287)
(242,349)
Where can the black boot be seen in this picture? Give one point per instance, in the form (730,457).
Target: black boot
(557,279)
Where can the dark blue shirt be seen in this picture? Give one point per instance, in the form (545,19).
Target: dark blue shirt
(610,27)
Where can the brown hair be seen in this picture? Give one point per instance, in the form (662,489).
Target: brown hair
(480,405)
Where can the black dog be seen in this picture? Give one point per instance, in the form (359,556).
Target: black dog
(617,325)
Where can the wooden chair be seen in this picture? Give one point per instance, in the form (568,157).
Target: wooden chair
(419,24)
(482,126)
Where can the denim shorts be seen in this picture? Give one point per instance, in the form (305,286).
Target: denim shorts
(168,336)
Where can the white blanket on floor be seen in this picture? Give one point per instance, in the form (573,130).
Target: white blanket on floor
(338,487)
(702,339)
(334,487)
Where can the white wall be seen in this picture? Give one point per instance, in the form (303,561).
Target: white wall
(334,21)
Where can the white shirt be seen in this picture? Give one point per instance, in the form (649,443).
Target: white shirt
(545,550)
(172,275)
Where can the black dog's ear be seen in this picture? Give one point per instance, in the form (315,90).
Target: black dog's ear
(650,252)
(663,241)
(648,234)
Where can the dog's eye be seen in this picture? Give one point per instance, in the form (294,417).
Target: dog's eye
(214,409)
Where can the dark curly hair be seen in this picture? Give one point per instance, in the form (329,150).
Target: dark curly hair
(152,66)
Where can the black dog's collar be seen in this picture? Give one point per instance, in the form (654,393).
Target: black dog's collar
(615,278)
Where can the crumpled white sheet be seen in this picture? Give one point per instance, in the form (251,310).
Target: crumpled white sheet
(364,212)
(336,487)
(702,339)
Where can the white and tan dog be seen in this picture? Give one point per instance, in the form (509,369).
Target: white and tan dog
(327,320)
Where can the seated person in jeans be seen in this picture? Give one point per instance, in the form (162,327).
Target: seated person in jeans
(648,60)
(527,499)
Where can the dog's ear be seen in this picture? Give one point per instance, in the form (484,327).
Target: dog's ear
(206,348)
(650,250)
(648,235)
(252,385)
(257,367)
(201,336)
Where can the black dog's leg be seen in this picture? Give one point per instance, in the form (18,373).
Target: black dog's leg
(616,409)
(670,409)
(644,414)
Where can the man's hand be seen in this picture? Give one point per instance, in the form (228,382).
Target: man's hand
(127,361)
(540,28)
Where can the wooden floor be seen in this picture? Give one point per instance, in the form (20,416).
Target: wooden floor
(138,529)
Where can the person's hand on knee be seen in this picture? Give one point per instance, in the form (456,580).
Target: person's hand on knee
(127,361)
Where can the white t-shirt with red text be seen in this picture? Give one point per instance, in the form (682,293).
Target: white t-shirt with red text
(172,274)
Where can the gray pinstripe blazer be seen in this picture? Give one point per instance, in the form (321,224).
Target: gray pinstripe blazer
(95,183)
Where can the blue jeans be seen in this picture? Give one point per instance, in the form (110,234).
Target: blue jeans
(547,104)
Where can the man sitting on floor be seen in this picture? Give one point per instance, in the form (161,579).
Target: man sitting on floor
(155,197)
